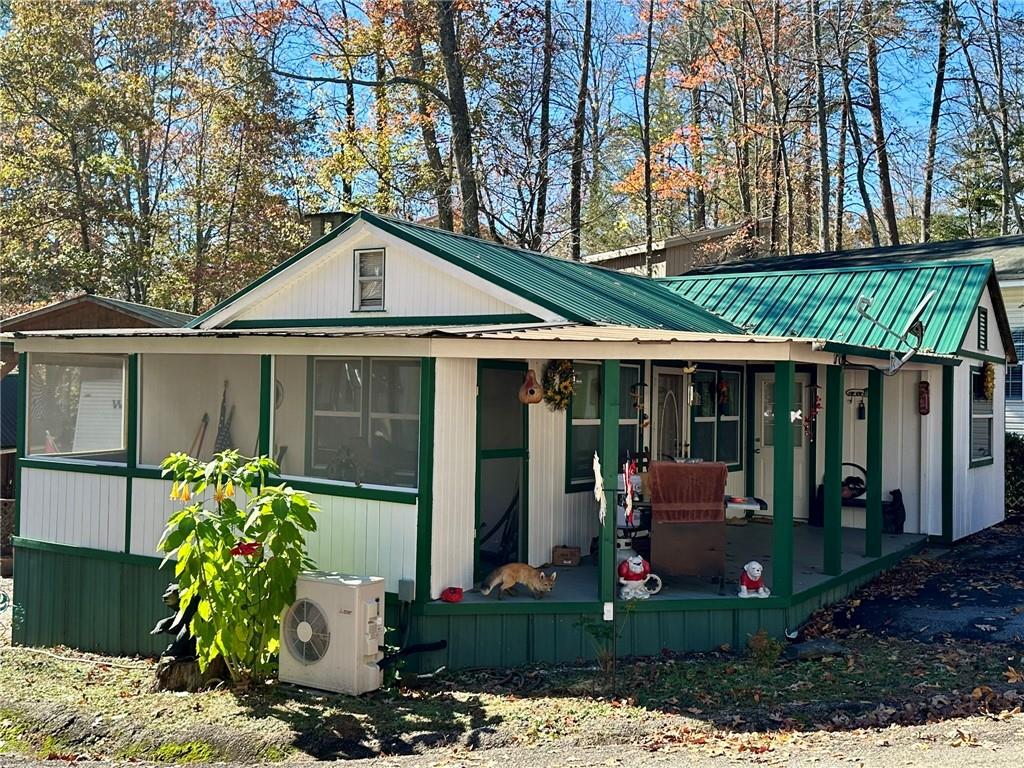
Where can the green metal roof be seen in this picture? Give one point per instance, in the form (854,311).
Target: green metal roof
(159,316)
(822,303)
(575,291)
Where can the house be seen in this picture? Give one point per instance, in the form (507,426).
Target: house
(381,366)
(82,311)
(679,253)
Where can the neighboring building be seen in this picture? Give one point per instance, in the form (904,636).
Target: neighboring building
(679,254)
(86,311)
(1009,261)
(381,365)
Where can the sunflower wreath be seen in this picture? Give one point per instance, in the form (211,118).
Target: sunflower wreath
(559,384)
(989,380)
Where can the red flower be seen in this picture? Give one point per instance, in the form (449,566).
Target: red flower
(246,548)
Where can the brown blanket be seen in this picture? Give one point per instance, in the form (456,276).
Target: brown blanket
(688,493)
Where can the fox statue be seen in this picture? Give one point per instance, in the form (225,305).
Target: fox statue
(509,575)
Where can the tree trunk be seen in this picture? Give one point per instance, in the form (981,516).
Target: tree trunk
(881,152)
(645,137)
(933,122)
(350,107)
(545,130)
(440,180)
(462,128)
(578,128)
(700,203)
(990,120)
(858,147)
(841,179)
(821,110)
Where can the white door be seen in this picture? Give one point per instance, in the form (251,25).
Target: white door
(670,434)
(764,439)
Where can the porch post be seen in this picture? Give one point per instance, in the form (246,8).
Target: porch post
(609,453)
(782,494)
(266,404)
(873,522)
(833,562)
(131,441)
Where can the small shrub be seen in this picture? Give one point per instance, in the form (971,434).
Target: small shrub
(239,562)
(1014,471)
(764,651)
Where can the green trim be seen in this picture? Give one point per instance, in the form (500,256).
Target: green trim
(19,451)
(985,460)
(95,554)
(782,484)
(948,430)
(833,501)
(377,321)
(132,443)
(749,385)
(839,348)
(875,459)
(266,403)
(498,607)
(425,508)
(501,453)
(65,465)
(274,272)
(328,488)
(982,357)
(609,443)
(865,569)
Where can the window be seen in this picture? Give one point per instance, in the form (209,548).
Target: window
(981,420)
(982,328)
(1014,376)
(363,420)
(715,411)
(369,282)
(76,407)
(584,431)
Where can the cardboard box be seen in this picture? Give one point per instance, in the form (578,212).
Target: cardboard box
(565,556)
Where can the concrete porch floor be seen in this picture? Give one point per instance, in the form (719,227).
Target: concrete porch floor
(752,541)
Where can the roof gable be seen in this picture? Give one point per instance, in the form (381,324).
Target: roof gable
(564,289)
(822,303)
(67,314)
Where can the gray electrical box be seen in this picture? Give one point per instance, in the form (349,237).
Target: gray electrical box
(406,590)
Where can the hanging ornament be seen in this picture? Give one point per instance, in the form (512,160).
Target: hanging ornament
(529,393)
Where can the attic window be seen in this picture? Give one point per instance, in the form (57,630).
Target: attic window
(369,282)
(982,328)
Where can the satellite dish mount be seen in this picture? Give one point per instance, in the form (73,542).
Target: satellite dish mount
(912,334)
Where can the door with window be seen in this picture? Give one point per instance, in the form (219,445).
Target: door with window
(670,438)
(502,455)
(768,418)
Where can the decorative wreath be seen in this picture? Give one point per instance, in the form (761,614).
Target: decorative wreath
(559,384)
(989,380)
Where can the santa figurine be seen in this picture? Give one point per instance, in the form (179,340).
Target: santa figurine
(634,574)
(752,581)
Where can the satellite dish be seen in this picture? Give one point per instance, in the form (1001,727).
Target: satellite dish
(912,334)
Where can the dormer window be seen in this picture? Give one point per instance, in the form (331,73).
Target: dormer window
(369,283)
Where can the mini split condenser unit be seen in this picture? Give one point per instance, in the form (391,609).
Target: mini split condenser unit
(331,636)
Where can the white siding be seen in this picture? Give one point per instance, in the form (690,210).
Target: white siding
(1013,298)
(152,506)
(365,537)
(412,287)
(73,508)
(978,492)
(453,537)
(556,517)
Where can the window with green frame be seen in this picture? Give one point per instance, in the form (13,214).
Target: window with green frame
(583,431)
(982,416)
(716,405)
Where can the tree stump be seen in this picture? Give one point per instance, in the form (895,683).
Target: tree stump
(173,674)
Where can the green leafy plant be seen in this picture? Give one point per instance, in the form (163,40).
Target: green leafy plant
(764,650)
(237,563)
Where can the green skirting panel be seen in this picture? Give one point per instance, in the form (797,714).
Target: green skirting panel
(91,604)
(521,639)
